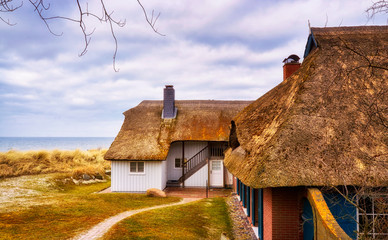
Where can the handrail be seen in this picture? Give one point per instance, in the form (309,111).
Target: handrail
(191,165)
(195,160)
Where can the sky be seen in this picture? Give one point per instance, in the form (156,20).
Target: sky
(221,50)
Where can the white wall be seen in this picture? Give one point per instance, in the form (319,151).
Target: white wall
(191,148)
(124,181)
(164,175)
(229,177)
(198,179)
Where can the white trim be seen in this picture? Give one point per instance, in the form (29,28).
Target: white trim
(256,230)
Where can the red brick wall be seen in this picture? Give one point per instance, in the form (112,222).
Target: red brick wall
(285,213)
(267,213)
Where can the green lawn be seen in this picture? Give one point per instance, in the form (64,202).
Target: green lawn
(205,219)
(68,211)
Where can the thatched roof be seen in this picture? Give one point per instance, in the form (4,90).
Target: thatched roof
(146,136)
(327,124)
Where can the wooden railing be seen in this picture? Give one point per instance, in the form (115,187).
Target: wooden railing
(198,158)
(197,161)
(217,151)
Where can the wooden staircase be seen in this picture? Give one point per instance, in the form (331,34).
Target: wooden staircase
(195,163)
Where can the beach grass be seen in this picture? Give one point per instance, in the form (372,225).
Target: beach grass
(204,219)
(18,163)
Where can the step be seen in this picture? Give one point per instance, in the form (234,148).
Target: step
(173,183)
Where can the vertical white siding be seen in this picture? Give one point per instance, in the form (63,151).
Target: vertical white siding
(191,148)
(124,181)
(229,178)
(198,179)
(164,175)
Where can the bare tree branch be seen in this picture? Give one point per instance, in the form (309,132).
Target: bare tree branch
(6,8)
(151,22)
(41,7)
(377,7)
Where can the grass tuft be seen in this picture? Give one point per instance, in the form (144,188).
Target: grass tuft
(18,163)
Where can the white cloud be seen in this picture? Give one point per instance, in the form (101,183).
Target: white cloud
(212,50)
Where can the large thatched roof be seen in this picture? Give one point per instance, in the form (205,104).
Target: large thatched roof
(327,124)
(146,136)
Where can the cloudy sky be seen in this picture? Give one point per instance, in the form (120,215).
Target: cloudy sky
(212,50)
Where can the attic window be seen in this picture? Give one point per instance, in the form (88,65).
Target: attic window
(136,167)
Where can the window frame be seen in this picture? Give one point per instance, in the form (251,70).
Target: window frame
(372,214)
(180,163)
(137,168)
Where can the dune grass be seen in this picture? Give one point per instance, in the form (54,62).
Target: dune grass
(18,163)
(205,219)
(65,213)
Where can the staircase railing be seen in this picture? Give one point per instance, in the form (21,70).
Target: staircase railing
(198,158)
(197,161)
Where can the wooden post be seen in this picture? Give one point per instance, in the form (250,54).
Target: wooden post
(208,173)
(208,164)
(207,190)
(183,164)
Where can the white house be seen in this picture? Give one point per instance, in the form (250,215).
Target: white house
(157,135)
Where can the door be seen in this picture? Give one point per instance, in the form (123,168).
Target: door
(216,173)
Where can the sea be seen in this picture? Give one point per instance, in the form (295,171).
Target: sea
(51,143)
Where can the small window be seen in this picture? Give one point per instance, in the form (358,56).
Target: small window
(216,165)
(178,163)
(136,167)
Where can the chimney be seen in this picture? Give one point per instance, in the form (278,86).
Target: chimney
(169,110)
(291,64)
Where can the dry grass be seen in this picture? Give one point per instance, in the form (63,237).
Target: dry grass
(17,163)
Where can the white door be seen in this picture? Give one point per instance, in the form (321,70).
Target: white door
(216,173)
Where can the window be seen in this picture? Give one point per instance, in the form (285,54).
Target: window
(373,216)
(178,163)
(216,165)
(136,167)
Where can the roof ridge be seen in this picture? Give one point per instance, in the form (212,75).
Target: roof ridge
(211,101)
(349,29)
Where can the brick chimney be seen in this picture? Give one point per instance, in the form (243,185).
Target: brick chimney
(169,109)
(291,64)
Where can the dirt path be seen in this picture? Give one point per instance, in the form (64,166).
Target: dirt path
(100,229)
